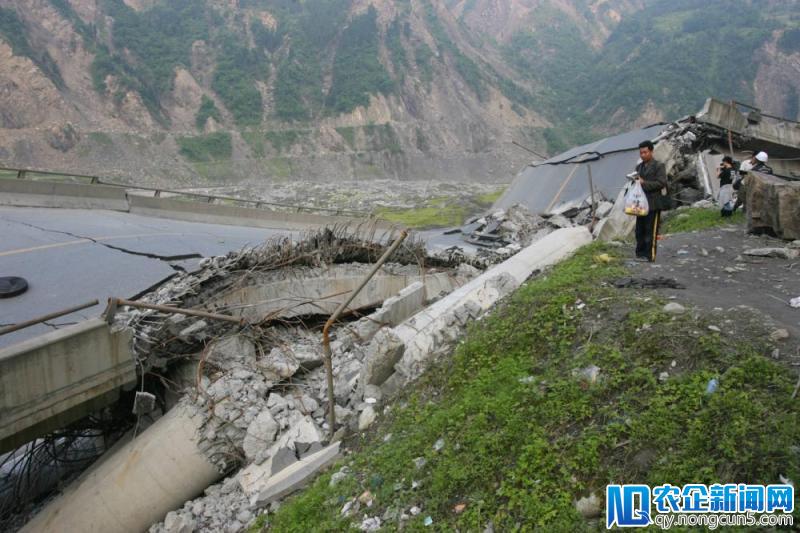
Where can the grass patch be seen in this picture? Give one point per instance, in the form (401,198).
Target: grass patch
(696,218)
(487,200)
(206,148)
(438,213)
(524,436)
(278,167)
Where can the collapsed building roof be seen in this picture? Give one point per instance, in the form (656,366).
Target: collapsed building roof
(562,182)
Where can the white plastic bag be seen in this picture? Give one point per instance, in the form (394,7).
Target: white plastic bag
(636,201)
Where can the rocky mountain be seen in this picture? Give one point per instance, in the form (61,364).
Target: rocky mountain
(209,91)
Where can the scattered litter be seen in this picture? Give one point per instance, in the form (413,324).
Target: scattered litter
(438,445)
(795,302)
(712,386)
(420,462)
(370,524)
(459,508)
(590,373)
(714,329)
(348,507)
(428,521)
(602,258)
(366,498)
(415,510)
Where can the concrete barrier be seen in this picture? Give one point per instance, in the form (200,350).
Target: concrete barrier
(232,215)
(439,326)
(55,379)
(27,193)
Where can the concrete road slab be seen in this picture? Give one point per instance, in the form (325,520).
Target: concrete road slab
(71,256)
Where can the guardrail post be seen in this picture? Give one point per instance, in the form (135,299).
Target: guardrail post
(157,194)
(21,174)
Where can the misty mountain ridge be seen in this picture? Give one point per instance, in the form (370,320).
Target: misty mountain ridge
(204,91)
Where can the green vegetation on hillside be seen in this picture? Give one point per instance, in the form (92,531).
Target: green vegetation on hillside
(357,71)
(205,148)
(208,109)
(238,69)
(669,54)
(160,38)
(556,394)
(13,31)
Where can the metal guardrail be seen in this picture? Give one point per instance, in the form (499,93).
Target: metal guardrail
(22,173)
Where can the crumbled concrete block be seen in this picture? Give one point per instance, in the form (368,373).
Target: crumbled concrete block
(383,353)
(278,364)
(267,489)
(260,435)
(366,418)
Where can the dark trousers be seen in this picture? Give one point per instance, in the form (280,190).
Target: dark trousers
(647,235)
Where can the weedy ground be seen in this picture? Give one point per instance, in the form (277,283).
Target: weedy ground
(526,431)
(696,219)
(440,212)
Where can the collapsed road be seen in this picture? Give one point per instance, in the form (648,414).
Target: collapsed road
(229,419)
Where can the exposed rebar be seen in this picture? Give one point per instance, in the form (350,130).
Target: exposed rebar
(326,340)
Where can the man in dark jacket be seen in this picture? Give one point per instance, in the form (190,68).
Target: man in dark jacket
(652,175)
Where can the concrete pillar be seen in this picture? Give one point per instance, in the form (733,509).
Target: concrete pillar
(136,485)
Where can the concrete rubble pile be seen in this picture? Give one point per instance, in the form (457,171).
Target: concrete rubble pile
(259,391)
(502,233)
(264,404)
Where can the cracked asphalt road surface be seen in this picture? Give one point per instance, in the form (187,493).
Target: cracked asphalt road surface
(72,256)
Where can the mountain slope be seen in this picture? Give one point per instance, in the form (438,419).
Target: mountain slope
(327,89)
(188,91)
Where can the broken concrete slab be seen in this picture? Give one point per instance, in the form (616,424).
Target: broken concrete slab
(773,206)
(430,331)
(781,253)
(383,352)
(260,435)
(265,489)
(278,364)
(398,308)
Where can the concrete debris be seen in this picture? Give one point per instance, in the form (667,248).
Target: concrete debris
(779,335)
(267,488)
(143,403)
(772,206)
(366,418)
(781,253)
(674,308)
(259,393)
(260,435)
(505,232)
(589,506)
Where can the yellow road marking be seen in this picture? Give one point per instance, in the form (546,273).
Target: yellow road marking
(84,241)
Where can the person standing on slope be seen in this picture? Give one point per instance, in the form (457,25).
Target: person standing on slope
(652,176)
